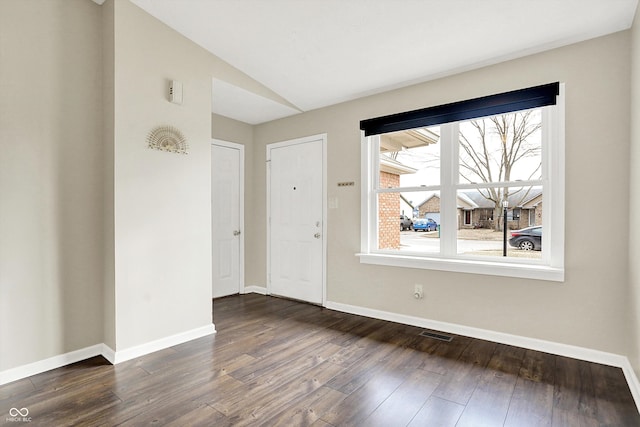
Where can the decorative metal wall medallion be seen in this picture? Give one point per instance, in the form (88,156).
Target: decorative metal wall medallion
(167,138)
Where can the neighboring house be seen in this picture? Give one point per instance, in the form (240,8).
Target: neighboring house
(406,207)
(476,211)
(531,211)
(430,208)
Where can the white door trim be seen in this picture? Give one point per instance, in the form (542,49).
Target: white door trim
(323,138)
(240,147)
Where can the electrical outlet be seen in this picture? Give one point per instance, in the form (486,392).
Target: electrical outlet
(417,291)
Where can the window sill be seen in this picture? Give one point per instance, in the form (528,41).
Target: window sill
(492,268)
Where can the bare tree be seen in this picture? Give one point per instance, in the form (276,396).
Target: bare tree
(490,150)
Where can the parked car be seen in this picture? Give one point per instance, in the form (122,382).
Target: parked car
(527,239)
(405,223)
(424,224)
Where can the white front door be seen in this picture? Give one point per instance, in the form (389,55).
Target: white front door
(296,215)
(226,217)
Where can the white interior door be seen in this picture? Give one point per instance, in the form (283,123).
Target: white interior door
(296,215)
(226,217)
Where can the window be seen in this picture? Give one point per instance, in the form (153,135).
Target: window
(474,185)
(467,217)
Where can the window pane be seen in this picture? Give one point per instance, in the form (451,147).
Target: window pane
(409,221)
(481,219)
(410,158)
(502,148)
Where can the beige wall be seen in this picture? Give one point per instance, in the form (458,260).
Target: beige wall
(162,201)
(231,130)
(108,103)
(162,210)
(103,240)
(634,208)
(51,192)
(588,309)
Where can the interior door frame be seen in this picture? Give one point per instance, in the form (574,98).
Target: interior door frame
(323,138)
(240,148)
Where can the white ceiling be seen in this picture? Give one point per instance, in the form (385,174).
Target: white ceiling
(240,104)
(316,53)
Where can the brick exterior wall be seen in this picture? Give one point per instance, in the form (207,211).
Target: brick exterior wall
(536,212)
(389,213)
(431,205)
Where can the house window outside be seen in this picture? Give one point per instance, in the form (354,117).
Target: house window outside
(467,217)
(459,175)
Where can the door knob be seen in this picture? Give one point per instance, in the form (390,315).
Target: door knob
(317,235)
(236,232)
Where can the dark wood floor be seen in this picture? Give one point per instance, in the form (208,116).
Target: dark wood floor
(279,362)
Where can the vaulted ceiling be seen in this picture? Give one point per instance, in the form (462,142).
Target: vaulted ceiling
(316,53)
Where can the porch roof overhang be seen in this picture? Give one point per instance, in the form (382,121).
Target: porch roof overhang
(402,140)
(389,165)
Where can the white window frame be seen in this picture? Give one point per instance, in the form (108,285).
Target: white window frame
(550,267)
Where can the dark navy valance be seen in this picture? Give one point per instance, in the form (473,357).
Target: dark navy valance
(522,99)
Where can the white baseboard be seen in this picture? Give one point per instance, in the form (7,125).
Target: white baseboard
(109,354)
(484,334)
(104,350)
(255,290)
(120,356)
(559,349)
(632,380)
(50,363)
